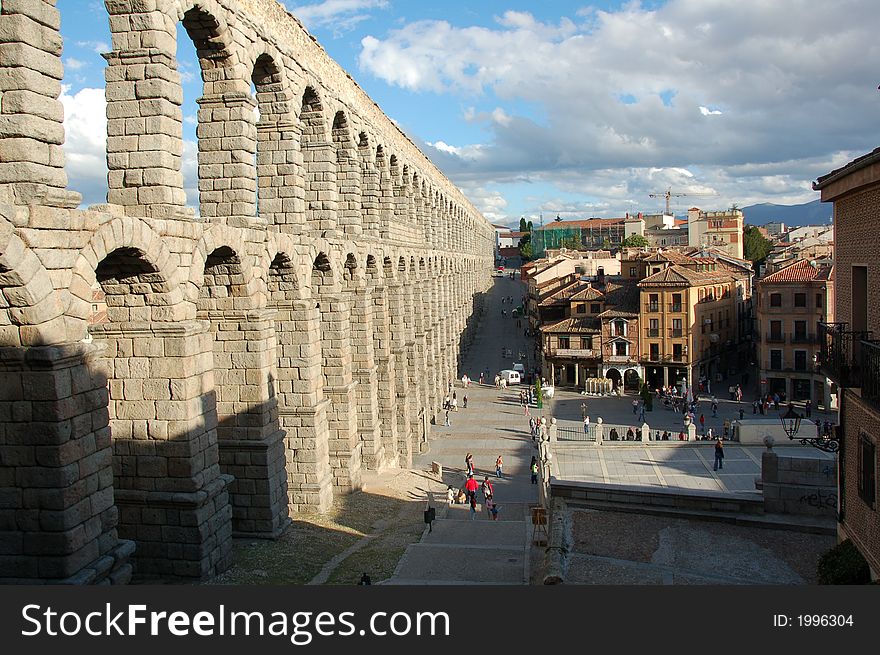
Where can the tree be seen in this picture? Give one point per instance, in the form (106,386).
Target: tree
(539,394)
(636,241)
(573,242)
(755,246)
(525,249)
(523,226)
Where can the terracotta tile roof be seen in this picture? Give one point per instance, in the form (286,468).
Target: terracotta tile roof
(801,271)
(622,300)
(682,276)
(851,167)
(583,324)
(588,293)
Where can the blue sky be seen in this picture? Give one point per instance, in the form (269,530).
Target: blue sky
(576,108)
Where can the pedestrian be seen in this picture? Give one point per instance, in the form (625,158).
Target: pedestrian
(469,464)
(365,580)
(450,495)
(808,406)
(481,378)
(741,413)
(635,406)
(533,468)
(454,403)
(755,407)
(446,423)
(719,455)
(494,510)
(471,487)
(464,402)
(709,434)
(714,409)
(681,436)
(776,401)
(818,428)
(473,507)
(586,424)
(499,466)
(703,423)
(486,488)
(532,425)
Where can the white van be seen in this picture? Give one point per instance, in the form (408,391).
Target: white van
(509,376)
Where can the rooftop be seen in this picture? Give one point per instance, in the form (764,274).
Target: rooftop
(802,270)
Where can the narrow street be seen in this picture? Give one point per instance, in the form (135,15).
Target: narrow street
(460,550)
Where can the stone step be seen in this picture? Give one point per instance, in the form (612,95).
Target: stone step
(462,564)
(479,532)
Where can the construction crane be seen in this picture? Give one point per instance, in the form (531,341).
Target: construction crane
(669,194)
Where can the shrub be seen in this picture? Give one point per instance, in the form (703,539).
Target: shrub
(843,564)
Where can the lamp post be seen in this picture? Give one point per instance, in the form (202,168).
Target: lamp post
(791,423)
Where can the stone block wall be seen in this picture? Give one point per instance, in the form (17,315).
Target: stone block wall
(799,485)
(229,389)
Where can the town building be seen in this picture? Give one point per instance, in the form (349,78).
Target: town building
(687,325)
(792,304)
(850,356)
(717,229)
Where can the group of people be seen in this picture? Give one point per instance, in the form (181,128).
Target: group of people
(468,493)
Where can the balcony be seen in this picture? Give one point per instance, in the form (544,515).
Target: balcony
(573,353)
(803,338)
(621,359)
(775,338)
(840,353)
(652,307)
(678,309)
(653,332)
(676,333)
(871,372)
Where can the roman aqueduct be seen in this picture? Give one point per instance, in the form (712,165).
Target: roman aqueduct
(255,356)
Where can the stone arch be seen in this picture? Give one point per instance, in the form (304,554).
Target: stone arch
(127,233)
(348,177)
(205,23)
(215,238)
(31,311)
(223,282)
(369,188)
(319,163)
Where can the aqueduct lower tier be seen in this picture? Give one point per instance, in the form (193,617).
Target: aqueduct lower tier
(169,380)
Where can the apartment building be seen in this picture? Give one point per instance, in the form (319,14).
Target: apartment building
(718,229)
(688,325)
(850,355)
(793,303)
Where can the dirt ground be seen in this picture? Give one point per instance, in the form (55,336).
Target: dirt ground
(378,523)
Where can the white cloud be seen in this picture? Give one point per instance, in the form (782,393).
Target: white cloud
(98,47)
(339,15)
(796,88)
(74,64)
(85,128)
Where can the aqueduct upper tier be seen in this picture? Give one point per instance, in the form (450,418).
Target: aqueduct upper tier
(172,377)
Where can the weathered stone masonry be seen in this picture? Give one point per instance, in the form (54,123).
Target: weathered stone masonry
(257,355)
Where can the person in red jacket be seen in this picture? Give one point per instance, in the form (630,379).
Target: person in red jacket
(471,486)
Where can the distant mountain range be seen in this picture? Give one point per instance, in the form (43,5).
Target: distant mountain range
(809,213)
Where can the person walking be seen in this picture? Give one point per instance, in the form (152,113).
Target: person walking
(714,407)
(464,402)
(499,466)
(741,413)
(586,424)
(635,406)
(703,423)
(533,468)
(719,455)
(454,402)
(469,464)
(473,506)
(808,406)
(446,422)
(487,489)
(471,487)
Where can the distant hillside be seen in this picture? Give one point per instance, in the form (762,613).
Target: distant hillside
(810,213)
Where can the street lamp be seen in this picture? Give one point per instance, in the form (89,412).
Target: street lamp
(791,423)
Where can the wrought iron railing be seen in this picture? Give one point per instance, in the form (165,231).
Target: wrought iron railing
(870,370)
(840,352)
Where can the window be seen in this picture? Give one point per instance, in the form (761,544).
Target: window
(676,352)
(618,328)
(867,472)
(621,348)
(676,302)
(776,360)
(655,352)
(676,327)
(632,271)
(653,302)
(776,331)
(587,343)
(800,360)
(800,300)
(654,329)
(580,308)
(563,342)
(776,300)
(818,301)
(800,331)
(595,308)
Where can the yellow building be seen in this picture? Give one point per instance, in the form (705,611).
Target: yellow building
(792,302)
(687,320)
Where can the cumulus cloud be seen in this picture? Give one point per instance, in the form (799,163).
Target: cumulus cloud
(74,64)
(85,128)
(714,88)
(98,47)
(339,15)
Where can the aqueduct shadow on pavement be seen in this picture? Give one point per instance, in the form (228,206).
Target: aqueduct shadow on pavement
(170,378)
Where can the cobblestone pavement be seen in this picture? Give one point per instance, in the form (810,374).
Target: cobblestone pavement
(459,550)
(619,548)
